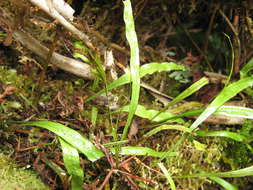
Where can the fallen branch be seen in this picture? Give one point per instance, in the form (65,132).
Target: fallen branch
(65,63)
(45,6)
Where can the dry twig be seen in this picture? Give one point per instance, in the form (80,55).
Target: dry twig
(56,15)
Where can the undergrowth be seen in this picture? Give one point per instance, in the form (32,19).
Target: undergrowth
(105,135)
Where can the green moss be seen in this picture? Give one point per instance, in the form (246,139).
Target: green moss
(17,178)
(239,154)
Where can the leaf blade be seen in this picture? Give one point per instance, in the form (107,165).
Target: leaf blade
(72,164)
(227,93)
(71,136)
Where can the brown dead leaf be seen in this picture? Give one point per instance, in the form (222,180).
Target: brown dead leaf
(191,60)
(8,90)
(8,40)
(133,129)
(79,102)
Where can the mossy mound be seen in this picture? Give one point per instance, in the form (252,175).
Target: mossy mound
(17,178)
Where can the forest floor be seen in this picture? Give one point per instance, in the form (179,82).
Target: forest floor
(35,85)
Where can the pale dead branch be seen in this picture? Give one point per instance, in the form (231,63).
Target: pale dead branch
(65,63)
(50,10)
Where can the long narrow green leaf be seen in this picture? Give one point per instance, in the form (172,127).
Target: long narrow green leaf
(81,56)
(124,79)
(72,164)
(235,173)
(224,183)
(61,173)
(85,146)
(142,112)
(168,176)
(232,59)
(70,136)
(227,93)
(148,68)
(189,91)
(228,134)
(230,111)
(134,63)
(246,68)
(235,111)
(167,127)
(81,47)
(153,67)
(94,115)
(171,118)
(115,143)
(142,151)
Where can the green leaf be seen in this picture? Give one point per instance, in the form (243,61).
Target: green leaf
(142,151)
(72,164)
(235,111)
(142,112)
(82,57)
(235,173)
(94,115)
(232,59)
(115,143)
(57,169)
(228,134)
(168,176)
(153,67)
(167,127)
(230,111)
(189,91)
(148,68)
(224,183)
(227,93)
(124,79)
(134,64)
(79,45)
(70,136)
(199,146)
(2,34)
(83,49)
(246,68)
